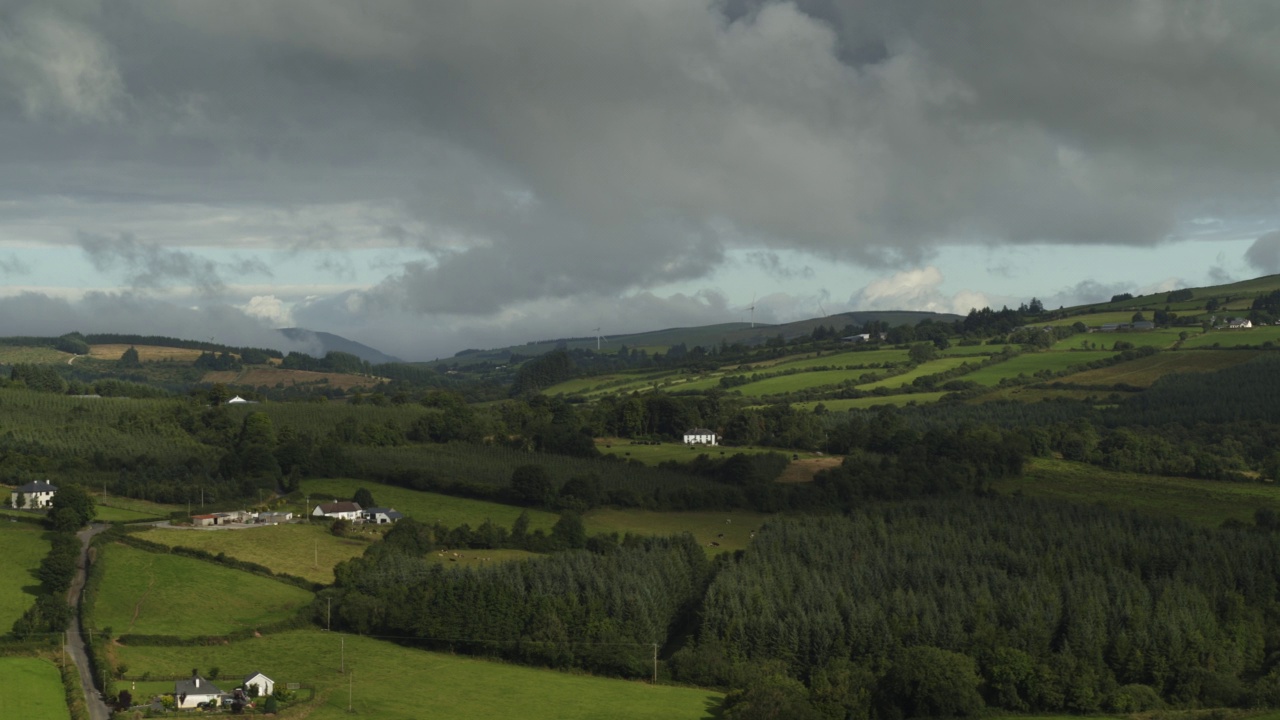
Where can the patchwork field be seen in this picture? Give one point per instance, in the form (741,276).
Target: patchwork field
(869,402)
(1204,502)
(394,682)
(22,547)
(1145,371)
(132,506)
(32,690)
(1031,363)
(146,353)
(731,529)
(258,376)
(932,367)
(1235,338)
(158,594)
(430,507)
(13,354)
(654,454)
(1160,339)
(305,550)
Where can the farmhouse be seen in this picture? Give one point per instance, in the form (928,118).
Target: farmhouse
(193,692)
(338,510)
(1239,324)
(264,684)
(237,400)
(381,516)
(35,495)
(699,436)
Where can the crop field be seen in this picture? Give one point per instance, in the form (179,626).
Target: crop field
(428,507)
(22,547)
(1235,338)
(14,354)
(1160,339)
(902,400)
(146,353)
(305,550)
(399,683)
(1031,363)
(1145,371)
(654,454)
(1203,502)
(32,690)
(258,376)
(707,527)
(158,594)
(931,367)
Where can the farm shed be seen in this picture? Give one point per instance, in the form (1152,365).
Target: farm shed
(204,520)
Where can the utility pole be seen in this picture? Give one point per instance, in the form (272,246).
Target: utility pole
(342,659)
(655,663)
(328,615)
(350,683)
(315,562)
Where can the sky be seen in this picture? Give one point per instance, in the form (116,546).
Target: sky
(428,176)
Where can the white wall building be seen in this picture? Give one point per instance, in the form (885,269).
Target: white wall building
(700,436)
(35,495)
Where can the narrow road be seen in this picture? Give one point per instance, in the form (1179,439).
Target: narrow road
(98,710)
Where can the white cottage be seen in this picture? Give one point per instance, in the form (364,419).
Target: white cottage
(193,692)
(265,685)
(338,511)
(699,436)
(35,495)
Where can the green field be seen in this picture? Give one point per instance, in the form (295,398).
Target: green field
(130,508)
(706,526)
(1031,363)
(1160,339)
(1235,338)
(22,547)
(430,507)
(969,350)
(13,354)
(158,594)
(302,549)
(1204,502)
(932,367)
(394,682)
(868,402)
(654,454)
(1145,371)
(849,359)
(32,690)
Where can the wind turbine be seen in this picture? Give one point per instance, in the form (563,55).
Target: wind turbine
(824,310)
(598,336)
(752,308)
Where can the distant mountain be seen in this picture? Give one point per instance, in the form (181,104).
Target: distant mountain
(324,343)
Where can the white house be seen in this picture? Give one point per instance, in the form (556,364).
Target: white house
(237,400)
(1239,324)
(381,516)
(338,511)
(197,690)
(265,685)
(35,495)
(699,436)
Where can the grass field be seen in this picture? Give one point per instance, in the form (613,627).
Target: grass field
(736,525)
(654,454)
(394,682)
(156,594)
(256,376)
(146,353)
(932,367)
(1145,371)
(1235,338)
(11,355)
(308,551)
(22,547)
(32,690)
(432,507)
(1160,339)
(969,350)
(868,402)
(1204,502)
(1031,363)
(141,508)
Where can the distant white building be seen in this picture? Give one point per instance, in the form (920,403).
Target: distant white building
(35,495)
(237,400)
(382,516)
(1239,324)
(700,436)
(338,511)
(265,685)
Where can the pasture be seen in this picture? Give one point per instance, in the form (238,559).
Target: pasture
(22,547)
(730,528)
(308,551)
(1031,363)
(1159,339)
(428,507)
(259,376)
(654,454)
(901,400)
(1203,502)
(32,690)
(394,682)
(931,367)
(159,594)
(1235,338)
(146,353)
(14,354)
(139,508)
(1145,371)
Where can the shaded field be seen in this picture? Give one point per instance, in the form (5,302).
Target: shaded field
(142,508)
(394,682)
(1234,338)
(476,558)
(927,368)
(259,376)
(654,454)
(32,690)
(146,353)
(1161,339)
(22,547)
(606,383)
(308,551)
(804,469)
(13,354)
(707,527)
(428,507)
(155,594)
(1145,371)
(1031,363)
(1203,502)
(110,513)
(868,402)
(970,350)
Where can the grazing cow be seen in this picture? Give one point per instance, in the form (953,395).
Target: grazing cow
(715,544)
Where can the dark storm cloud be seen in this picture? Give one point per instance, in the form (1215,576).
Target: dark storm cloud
(151,267)
(1264,253)
(567,148)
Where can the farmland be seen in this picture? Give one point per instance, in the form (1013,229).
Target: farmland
(304,550)
(650,454)
(1031,363)
(23,548)
(146,353)
(390,681)
(428,507)
(159,594)
(260,376)
(863,403)
(1159,339)
(735,526)
(32,690)
(13,354)
(1254,337)
(1145,371)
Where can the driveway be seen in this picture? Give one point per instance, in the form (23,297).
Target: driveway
(75,642)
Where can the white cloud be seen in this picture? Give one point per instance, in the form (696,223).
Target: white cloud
(269,308)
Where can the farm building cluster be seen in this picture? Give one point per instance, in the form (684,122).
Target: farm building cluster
(353,512)
(198,692)
(241,517)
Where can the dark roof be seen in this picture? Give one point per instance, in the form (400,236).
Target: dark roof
(188,687)
(699,431)
(389,512)
(39,486)
(335,507)
(253,675)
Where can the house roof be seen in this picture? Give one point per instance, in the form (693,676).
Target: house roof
(699,431)
(337,507)
(188,687)
(389,512)
(39,486)
(251,676)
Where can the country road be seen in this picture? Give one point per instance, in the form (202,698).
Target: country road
(98,710)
